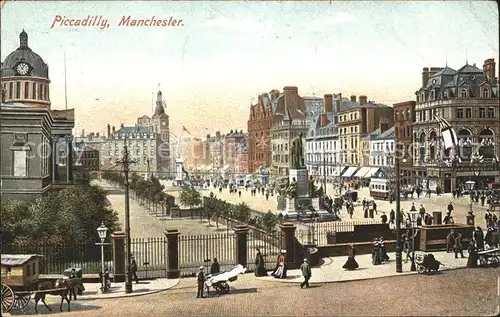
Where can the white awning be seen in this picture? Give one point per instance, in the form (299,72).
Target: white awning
(338,170)
(225,167)
(362,172)
(350,171)
(372,172)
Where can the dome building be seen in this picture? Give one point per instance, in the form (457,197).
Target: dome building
(35,140)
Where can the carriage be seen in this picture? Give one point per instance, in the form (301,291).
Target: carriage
(489,257)
(20,278)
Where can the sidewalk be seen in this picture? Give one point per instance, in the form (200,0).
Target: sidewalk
(92,290)
(331,269)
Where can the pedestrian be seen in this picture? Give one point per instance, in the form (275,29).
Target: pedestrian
(450,207)
(215,267)
(422,211)
(472,260)
(458,246)
(376,252)
(306,273)
(382,250)
(413,208)
(351,263)
(200,278)
(133,269)
(260,267)
(383,217)
(392,218)
(478,237)
(239,193)
(450,241)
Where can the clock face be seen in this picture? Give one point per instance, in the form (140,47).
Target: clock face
(164,123)
(22,68)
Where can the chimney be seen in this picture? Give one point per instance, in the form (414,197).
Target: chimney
(122,125)
(91,134)
(362,100)
(323,119)
(383,125)
(108,130)
(291,90)
(425,76)
(217,134)
(83,133)
(337,105)
(328,103)
(353,98)
(489,69)
(97,134)
(113,129)
(434,70)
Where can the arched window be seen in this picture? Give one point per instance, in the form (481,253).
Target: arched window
(433,95)
(445,94)
(486,93)
(463,93)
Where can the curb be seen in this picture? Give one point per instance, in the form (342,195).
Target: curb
(275,280)
(177,281)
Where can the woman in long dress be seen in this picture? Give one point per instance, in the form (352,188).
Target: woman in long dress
(260,268)
(472,259)
(351,263)
(280,270)
(376,252)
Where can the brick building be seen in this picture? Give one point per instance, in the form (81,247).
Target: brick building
(267,112)
(404,116)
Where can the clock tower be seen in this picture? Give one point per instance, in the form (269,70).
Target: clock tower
(161,121)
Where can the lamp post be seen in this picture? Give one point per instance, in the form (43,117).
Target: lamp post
(102,231)
(413,218)
(399,259)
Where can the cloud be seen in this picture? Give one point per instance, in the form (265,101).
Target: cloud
(338,18)
(246,24)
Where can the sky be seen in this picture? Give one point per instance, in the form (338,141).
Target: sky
(213,66)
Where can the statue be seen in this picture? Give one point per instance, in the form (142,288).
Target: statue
(297,154)
(291,190)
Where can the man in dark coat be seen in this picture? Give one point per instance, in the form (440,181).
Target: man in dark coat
(383,217)
(450,208)
(215,267)
(450,241)
(260,268)
(133,269)
(392,217)
(458,246)
(200,279)
(472,260)
(306,273)
(479,238)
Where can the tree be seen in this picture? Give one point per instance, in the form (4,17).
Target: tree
(270,221)
(190,198)
(242,212)
(211,205)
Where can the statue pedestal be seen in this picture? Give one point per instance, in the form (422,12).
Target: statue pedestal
(289,206)
(315,204)
(302,181)
(179,174)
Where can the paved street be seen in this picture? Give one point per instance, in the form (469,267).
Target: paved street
(463,292)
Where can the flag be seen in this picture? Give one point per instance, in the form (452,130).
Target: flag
(448,133)
(184,129)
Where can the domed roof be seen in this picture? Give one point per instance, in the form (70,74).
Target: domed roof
(24,53)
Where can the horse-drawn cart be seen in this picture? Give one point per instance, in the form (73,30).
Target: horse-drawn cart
(489,257)
(21,278)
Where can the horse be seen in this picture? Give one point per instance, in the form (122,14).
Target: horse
(75,286)
(63,289)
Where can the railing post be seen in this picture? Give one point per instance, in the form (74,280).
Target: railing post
(241,244)
(118,244)
(173,270)
(288,243)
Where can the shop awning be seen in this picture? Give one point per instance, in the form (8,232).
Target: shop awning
(225,168)
(362,172)
(350,171)
(372,172)
(338,170)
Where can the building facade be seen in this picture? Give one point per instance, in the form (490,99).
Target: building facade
(269,111)
(468,99)
(283,134)
(86,157)
(382,148)
(355,125)
(30,131)
(234,143)
(404,117)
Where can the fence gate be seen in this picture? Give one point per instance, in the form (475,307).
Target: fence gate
(151,257)
(269,246)
(199,250)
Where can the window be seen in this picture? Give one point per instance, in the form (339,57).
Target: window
(433,93)
(468,113)
(20,163)
(11,88)
(491,112)
(33,92)
(40,91)
(28,271)
(463,93)
(482,113)
(485,93)
(18,90)
(445,94)
(46,92)
(460,113)
(26,90)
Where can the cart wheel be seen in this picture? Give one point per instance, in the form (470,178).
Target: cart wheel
(494,261)
(21,301)
(7,298)
(420,269)
(483,261)
(225,288)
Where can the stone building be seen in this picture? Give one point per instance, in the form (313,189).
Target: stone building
(382,148)
(404,116)
(355,125)
(283,133)
(468,99)
(234,143)
(143,144)
(30,131)
(269,111)
(161,124)
(86,157)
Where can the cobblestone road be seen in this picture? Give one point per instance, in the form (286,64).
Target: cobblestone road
(452,293)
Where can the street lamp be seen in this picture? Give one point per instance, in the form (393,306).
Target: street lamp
(102,231)
(399,259)
(413,219)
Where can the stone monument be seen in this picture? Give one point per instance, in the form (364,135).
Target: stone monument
(179,171)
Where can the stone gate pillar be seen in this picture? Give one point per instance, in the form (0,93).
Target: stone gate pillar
(288,243)
(241,232)
(437,218)
(173,269)
(118,245)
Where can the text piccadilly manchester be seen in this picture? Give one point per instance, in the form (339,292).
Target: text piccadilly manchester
(103,23)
